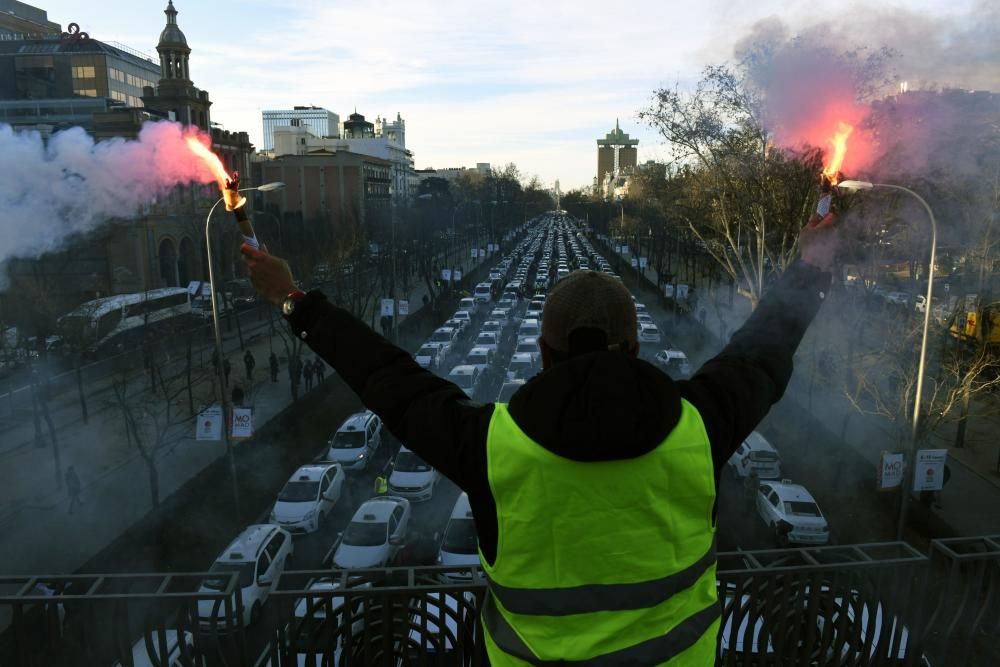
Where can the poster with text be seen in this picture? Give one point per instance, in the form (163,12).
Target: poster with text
(928,473)
(209,425)
(242,422)
(890,471)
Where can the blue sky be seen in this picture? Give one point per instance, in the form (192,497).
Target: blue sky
(534,83)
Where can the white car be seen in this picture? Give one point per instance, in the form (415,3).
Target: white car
(674,362)
(175,650)
(446,337)
(530,328)
(312,628)
(430,356)
(257,556)
(308,497)
(467,378)
(483,293)
(644,318)
(792,513)
(648,333)
(533,314)
(492,326)
(412,477)
(508,389)
(353,444)
(375,534)
(521,366)
(488,340)
(501,315)
(467,303)
(463,316)
(758,455)
(529,345)
(460,543)
(481,357)
(460,326)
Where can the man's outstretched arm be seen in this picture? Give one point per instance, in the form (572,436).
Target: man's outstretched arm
(734,390)
(430,415)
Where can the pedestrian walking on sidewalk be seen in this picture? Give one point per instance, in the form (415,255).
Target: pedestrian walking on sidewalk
(226,369)
(249,362)
(73,488)
(320,369)
(274,367)
(307,373)
(238,395)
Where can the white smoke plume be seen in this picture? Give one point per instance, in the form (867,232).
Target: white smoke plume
(50,193)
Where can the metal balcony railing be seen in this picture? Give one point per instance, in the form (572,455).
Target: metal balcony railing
(864,604)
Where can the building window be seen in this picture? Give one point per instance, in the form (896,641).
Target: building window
(86,92)
(134,101)
(84,72)
(121,97)
(116,74)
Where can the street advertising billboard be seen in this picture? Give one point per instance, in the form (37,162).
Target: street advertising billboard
(928,475)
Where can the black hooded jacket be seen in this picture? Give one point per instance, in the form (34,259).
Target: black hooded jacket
(596,407)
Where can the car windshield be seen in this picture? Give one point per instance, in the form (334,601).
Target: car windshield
(365,534)
(441,337)
(410,462)
(460,537)
(463,380)
(520,366)
(426,351)
(245,571)
(348,440)
(491,326)
(299,492)
(526,347)
(529,330)
(801,508)
(482,290)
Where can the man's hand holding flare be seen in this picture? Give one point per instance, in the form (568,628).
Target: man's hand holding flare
(270,275)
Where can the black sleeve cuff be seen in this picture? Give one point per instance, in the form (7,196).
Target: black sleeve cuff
(307,312)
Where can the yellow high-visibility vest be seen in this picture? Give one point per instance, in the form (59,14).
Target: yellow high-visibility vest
(604,563)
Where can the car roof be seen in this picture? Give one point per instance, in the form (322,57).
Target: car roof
(528,339)
(480,350)
(756,441)
(375,510)
(787,491)
(462,508)
(521,356)
(496,322)
(674,354)
(463,369)
(529,320)
(448,329)
(247,545)
(310,473)
(356,421)
(491,334)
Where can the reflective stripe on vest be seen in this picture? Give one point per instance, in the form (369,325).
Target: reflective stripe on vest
(600,597)
(606,562)
(655,651)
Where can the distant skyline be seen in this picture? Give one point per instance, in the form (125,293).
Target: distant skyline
(526,82)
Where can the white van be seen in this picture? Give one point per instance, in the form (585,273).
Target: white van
(354,443)
(459,546)
(529,329)
(483,293)
(757,454)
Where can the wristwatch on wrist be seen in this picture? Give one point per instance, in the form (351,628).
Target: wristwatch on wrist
(292,300)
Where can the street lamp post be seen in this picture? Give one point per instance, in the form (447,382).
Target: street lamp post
(911,470)
(218,340)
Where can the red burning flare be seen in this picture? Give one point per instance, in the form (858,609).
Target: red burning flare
(835,159)
(211,160)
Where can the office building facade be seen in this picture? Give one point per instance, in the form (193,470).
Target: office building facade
(320,122)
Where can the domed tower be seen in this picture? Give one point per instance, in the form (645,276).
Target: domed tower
(173,48)
(175,94)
